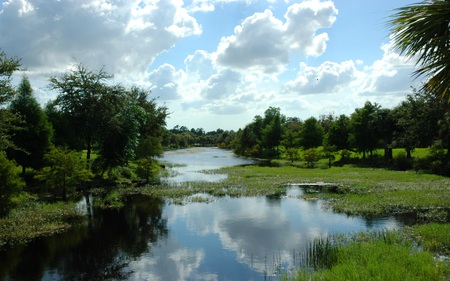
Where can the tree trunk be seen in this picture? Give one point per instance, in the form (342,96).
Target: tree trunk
(64,195)
(408,153)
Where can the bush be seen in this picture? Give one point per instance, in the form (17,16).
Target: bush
(311,156)
(401,162)
(10,184)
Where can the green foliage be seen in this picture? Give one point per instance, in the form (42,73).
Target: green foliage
(364,129)
(10,184)
(311,156)
(146,168)
(311,134)
(66,171)
(87,101)
(33,137)
(7,67)
(7,120)
(420,31)
(292,154)
(338,133)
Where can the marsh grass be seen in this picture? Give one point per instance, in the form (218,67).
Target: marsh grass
(434,237)
(35,219)
(376,255)
(358,191)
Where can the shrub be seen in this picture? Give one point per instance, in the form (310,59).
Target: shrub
(10,184)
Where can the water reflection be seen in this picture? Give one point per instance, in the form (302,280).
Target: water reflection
(149,239)
(100,250)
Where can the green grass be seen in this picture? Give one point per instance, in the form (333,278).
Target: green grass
(380,261)
(381,255)
(433,237)
(35,219)
(360,190)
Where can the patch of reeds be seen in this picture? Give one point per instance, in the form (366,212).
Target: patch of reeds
(35,219)
(378,255)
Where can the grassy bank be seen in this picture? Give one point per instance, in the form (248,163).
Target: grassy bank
(34,219)
(357,191)
(386,255)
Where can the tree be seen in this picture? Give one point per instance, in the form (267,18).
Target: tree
(34,136)
(7,67)
(153,125)
(417,121)
(338,133)
(10,183)
(7,120)
(311,156)
(364,129)
(88,101)
(387,128)
(66,171)
(311,134)
(272,132)
(120,137)
(422,31)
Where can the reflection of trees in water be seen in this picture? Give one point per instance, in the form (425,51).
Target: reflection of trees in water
(100,251)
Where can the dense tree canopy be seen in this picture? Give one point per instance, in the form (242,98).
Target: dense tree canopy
(33,138)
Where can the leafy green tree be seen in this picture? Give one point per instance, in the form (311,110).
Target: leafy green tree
(417,121)
(152,129)
(7,120)
(311,156)
(10,184)
(271,135)
(364,129)
(292,154)
(329,152)
(63,133)
(387,128)
(311,134)
(422,31)
(88,101)
(66,171)
(35,134)
(120,137)
(338,133)
(7,67)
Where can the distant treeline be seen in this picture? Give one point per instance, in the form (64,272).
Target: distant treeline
(422,120)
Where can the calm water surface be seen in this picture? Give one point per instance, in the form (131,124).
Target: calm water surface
(150,239)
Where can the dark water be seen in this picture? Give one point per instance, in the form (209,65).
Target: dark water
(149,239)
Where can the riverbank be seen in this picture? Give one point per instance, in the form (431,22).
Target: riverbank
(356,191)
(33,219)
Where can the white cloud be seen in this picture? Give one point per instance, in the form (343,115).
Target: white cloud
(263,43)
(125,36)
(328,78)
(164,82)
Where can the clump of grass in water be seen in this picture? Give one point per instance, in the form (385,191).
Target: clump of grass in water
(378,255)
(37,219)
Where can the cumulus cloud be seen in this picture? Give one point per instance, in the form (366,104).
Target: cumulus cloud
(123,35)
(390,75)
(164,82)
(328,78)
(263,43)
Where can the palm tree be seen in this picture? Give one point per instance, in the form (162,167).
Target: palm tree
(422,30)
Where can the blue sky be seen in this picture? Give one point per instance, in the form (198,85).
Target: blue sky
(218,63)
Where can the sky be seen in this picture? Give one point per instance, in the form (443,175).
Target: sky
(218,63)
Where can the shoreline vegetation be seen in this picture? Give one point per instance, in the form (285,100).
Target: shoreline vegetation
(423,248)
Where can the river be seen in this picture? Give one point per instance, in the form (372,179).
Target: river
(248,238)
